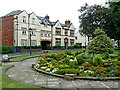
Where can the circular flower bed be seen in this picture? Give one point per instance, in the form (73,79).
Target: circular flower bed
(80,63)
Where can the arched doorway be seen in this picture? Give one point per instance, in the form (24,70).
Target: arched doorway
(66,43)
(45,43)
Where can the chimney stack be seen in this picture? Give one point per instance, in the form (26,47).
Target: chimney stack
(67,22)
(47,17)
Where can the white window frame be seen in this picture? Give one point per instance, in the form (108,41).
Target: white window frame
(58,41)
(33,32)
(42,34)
(45,34)
(24,43)
(23,30)
(33,43)
(24,19)
(33,20)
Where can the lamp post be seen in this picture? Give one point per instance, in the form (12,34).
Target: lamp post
(30,30)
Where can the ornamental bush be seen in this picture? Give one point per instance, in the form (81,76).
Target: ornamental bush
(106,55)
(101,43)
(6,49)
(97,60)
(80,59)
(68,52)
(67,71)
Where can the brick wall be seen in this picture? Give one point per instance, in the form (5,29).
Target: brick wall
(8,31)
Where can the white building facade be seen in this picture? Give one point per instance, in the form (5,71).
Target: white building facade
(44,32)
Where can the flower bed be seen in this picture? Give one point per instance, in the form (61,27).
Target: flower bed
(80,63)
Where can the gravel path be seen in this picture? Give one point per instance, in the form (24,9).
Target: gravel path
(23,72)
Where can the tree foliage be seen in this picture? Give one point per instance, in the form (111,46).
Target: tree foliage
(107,18)
(101,43)
(92,17)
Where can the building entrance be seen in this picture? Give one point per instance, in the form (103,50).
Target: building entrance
(45,44)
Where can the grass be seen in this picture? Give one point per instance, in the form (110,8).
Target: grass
(7,83)
(27,56)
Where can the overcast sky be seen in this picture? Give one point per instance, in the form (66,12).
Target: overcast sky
(56,9)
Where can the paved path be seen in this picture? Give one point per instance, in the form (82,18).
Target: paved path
(23,72)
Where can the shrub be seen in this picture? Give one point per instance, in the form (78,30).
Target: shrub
(72,65)
(63,66)
(7,49)
(59,47)
(67,71)
(119,58)
(113,56)
(89,60)
(101,43)
(66,60)
(97,60)
(70,47)
(78,52)
(49,48)
(106,55)
(80,59)
(68,52)
(78,45)
(33,47)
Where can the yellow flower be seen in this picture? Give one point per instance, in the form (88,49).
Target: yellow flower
(38,61)
(103,60)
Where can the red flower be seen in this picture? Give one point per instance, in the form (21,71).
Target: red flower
(56,63)
(46,53)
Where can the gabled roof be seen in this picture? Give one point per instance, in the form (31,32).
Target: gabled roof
(64,25)
(53,23)
(13,13)
(44,20)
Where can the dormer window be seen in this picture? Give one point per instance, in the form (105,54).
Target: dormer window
(24,19)
(33,20)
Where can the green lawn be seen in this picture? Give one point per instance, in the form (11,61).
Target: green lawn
(23,57)
(7,83)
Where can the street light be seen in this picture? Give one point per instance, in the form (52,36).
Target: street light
(30,30)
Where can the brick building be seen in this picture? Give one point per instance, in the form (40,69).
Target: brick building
(16,24)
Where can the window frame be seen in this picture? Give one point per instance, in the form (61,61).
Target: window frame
(24,19)
(58,31)
(58,41)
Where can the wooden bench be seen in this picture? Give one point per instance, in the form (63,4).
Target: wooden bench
(69,76)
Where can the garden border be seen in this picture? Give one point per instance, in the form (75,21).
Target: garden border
(62,76)
(77,77)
